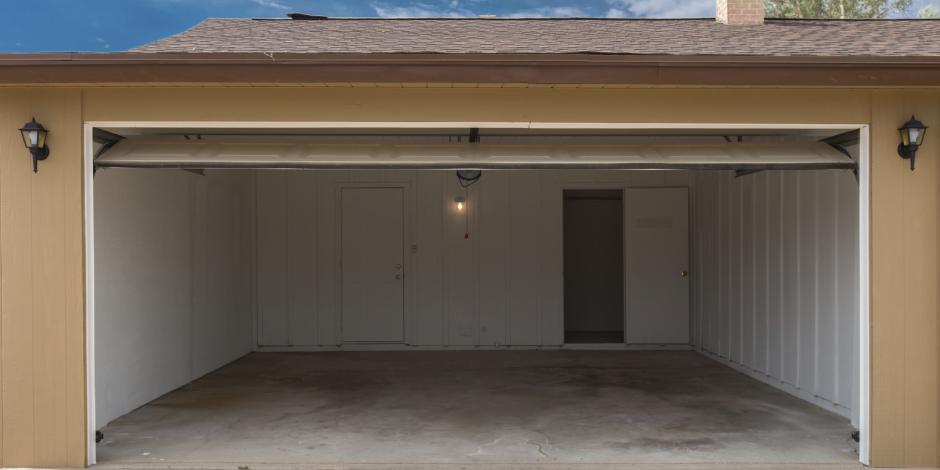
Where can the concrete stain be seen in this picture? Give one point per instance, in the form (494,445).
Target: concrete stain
(669,445)
(476,407)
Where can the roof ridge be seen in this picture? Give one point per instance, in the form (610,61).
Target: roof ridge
(849,20)
(566,18)
(474,18)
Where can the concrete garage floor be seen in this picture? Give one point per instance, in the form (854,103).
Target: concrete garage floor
(541,408)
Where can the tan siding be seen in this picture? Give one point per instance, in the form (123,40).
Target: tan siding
(42,329)
(904,206)
(16,284)
(41,299)
(904,286)
(463,104)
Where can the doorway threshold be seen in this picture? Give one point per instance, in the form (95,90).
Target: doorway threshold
(626,347)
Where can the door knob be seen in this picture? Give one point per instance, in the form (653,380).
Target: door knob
(398,266)
(398,277)
(684,274)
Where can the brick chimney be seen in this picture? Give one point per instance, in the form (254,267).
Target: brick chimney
(740,12)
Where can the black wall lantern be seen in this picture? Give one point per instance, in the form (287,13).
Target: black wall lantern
(912,137)
(34,138)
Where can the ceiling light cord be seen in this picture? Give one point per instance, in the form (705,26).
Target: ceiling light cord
(467,178)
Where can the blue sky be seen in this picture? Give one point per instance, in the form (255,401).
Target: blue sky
(114,25)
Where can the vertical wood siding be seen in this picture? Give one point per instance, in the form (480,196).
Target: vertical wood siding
(905,335)
(905,326)
(42,378)
(905,211)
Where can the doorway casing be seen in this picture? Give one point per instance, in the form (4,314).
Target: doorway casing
(863,172)
(592,231)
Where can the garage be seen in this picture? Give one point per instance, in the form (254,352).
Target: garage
(476,293)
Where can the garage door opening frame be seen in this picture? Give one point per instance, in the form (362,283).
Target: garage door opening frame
(863,172)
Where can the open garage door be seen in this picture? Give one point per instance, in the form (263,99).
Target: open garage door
(579,308)
(545,152)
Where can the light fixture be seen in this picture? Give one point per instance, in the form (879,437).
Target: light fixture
(34,138)
(912,137)
(468,178)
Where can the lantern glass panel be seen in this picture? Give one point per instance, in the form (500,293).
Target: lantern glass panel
(905,137)
(34,135)
(914,135)
(918,136)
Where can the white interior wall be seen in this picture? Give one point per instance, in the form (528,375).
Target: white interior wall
(774,270)
(501,287)
(173,286)
(776,279)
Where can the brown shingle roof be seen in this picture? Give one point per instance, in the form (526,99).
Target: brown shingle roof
(684,37)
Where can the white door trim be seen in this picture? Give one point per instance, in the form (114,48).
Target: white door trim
(88,200)
(864,222)
(864,292)
(464,124)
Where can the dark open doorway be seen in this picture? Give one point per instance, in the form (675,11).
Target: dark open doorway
(593,237)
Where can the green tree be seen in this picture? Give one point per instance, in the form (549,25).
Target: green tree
(842,9)
(930,11)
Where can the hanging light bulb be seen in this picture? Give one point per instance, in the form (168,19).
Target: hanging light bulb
(460,203)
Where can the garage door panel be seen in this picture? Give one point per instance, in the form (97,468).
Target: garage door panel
(267,152)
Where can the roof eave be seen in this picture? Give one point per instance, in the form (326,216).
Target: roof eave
(580,68)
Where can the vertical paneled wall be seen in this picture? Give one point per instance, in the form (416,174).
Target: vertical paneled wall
(42,328)
(776,279)
(501,286)
(905,299)
(173,281)
(42,339)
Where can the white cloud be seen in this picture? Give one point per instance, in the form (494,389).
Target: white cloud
(271,4)
(550,12)
(661,8)
(101,41)
(421,10)
(461,9)
(617,13)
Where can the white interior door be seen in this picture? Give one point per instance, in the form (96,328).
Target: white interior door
(373,265)
(656,265)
